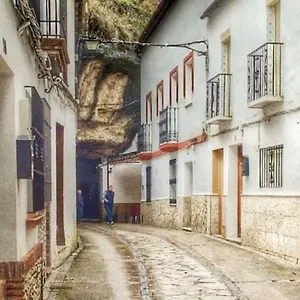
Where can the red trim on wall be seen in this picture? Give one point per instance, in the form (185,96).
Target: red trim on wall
(174,74)
(148,99)
(182,145)
(188,58)
(159,86)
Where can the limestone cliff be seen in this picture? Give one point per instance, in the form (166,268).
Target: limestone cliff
(109,87)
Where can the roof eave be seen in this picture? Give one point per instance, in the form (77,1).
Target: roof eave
(210,9)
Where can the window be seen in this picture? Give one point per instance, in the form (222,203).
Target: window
(159,97)
(188,77)
(148,184)
(174,86)
(50,16)
(270,167)
(273,20)
(148,108)
(173,181)
(226,52)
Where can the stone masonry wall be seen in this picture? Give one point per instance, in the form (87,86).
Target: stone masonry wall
(272,224)
(34,281)
(24,278)
(205,214)
(198,212)
(161,213)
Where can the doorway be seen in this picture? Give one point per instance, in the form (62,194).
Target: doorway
(89,177)
(239,187)
(217,188)
(60,233)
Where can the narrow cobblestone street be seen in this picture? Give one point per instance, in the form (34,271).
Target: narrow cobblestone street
(141,262)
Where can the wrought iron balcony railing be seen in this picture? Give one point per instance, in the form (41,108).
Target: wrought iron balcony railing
(145,138)
(168,125)
(218,97)
(52,29)
(264,71)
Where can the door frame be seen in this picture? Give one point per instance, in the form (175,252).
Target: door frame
(217,184)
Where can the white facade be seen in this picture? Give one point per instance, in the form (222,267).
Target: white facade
(18,70)
(268,219)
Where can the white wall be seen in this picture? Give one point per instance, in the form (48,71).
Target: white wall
(182,23)
(126,181)
(20,61)
(157,63)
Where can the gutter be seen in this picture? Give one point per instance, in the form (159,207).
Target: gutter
(210,9)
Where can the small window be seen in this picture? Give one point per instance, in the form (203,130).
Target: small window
(159,97)
(174,86)
(173,181)
(270,167)
(149,108)
(188,77)
(148,184)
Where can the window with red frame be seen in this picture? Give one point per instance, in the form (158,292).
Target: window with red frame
(174,86)
(149,107)
(188,76)
(159,97)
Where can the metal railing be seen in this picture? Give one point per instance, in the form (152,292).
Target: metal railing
(145,138)
(52,29)
(270,167)
(168,125)
(264,71)
(218,96)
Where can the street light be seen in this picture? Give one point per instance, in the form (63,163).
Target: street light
(91,44)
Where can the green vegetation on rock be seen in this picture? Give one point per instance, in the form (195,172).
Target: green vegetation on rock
(123,19)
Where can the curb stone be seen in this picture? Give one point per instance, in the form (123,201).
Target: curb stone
(57,277)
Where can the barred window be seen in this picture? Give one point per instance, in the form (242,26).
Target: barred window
(173,181)
(270,167)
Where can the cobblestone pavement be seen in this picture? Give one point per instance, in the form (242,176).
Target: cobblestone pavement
(141,262)
(174,273)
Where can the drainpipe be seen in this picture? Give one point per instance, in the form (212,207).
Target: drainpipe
(107,175)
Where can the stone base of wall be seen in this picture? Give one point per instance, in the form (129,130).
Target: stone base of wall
(271,224)
(124,212)
(25,278)
(198,212)
(161,213)
(205,214)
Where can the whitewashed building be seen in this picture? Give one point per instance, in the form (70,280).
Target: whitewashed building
(220,131)
(38,132)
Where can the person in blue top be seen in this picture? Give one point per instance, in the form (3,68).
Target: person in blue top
(109,196)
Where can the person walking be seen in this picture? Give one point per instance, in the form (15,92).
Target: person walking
(80,205)
(109,204)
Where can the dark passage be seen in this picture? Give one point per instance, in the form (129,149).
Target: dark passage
(88,181)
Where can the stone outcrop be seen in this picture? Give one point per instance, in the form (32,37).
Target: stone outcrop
(108,78)
(108,117)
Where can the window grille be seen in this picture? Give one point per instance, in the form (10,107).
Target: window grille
(270,166)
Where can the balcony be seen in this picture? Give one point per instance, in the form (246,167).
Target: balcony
(145,142)
(168,129)
(54,43)
(218,99)
(264,75)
